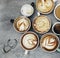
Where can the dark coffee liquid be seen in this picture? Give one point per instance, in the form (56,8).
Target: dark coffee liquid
(57,28)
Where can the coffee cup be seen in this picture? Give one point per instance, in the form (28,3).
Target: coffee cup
(21,24)
(27,10)
(49,42)
(56,28)
(57,12)
(45,6)
(41,23)
(29,41)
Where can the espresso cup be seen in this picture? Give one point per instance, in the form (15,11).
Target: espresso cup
(45,6)
(56,28)
(57,12)
(29,41)
(49,42)
(21,24)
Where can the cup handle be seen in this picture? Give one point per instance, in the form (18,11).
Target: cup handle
(26,52)
(12,21)
(58,49)
(33,4)
(38,13)
(55,0)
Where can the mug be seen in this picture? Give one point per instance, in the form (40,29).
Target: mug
(22,21)
(57,47)
(27,49)
(58,27)
(27,10)
(55,12)
(42,2)
(39,31)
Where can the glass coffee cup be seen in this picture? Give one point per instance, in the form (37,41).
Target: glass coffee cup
(49,42)
(29,41)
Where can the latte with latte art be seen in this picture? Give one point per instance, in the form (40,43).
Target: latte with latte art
(49,42)
(41,24)
(22,24)
(29,41)
(44,6)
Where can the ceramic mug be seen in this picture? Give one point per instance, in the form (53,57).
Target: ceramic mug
(27,49)
(22,21)
(58,45)
(42,2)
(57,27)
(38,15)
(58,5)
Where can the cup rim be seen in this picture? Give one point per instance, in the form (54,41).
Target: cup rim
(26,15)
(53,27)
(54,11)
(44,36)
(37,38)
(38,31)
(27,28)
(45,12)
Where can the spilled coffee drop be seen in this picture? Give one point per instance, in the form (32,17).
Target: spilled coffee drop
(57,28)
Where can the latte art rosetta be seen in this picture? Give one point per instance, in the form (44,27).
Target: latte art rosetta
(49,43)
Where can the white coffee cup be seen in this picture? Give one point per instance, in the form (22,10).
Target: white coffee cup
(26,50)
(55,11)
(27,10)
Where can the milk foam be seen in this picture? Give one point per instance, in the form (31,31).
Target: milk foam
(46,6)
(27,10)
(42,24)
(29,41)
(48,43)
(22,24)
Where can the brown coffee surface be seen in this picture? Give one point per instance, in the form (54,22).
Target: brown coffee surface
(57,28)
(57,12)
